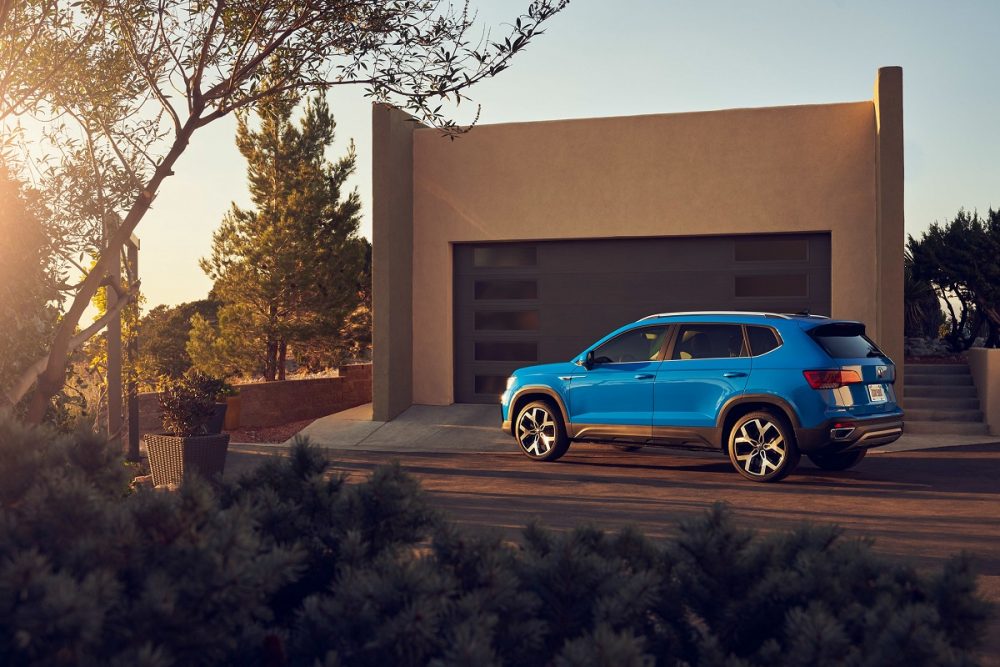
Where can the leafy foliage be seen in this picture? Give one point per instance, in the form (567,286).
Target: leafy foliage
(188,403)
(163,334)
(291,565)
(353,339)
(921,305)
(960,259)
(29,294)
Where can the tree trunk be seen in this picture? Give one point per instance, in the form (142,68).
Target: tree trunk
(282,354)
(992,316)
(51,380)
(271,360)
(993,339)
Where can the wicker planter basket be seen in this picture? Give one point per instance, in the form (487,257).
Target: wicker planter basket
(172,459)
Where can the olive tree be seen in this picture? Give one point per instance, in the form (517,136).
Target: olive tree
(144,76)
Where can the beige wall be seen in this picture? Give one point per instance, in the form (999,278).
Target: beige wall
(392,268)
(985,366)
(809,168)
(787,169)
(889,215)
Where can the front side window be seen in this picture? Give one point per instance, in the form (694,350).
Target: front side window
(641,344)
(709,341)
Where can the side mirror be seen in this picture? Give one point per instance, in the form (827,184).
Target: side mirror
(588,361)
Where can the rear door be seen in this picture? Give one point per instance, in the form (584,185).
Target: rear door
(707,365)
(850,349)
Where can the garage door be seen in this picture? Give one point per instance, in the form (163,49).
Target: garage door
(525,303)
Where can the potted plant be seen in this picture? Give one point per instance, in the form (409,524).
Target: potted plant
(189,445)
(218,390)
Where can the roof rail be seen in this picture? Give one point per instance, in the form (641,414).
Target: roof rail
(716,312)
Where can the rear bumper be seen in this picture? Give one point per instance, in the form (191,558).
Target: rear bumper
(858,434)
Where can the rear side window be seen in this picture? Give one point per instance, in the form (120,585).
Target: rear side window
(845,341)
(762,340)
(709,341)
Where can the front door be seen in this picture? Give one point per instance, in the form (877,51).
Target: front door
(614,399)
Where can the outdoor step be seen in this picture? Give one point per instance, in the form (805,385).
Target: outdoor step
(937,369)
(949,403)
(944,415)
(929,378)
(945,428)
(938,380)
(939,391)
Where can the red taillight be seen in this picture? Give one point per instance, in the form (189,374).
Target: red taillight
(831,379)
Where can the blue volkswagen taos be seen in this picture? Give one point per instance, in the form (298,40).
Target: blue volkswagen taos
(762,388)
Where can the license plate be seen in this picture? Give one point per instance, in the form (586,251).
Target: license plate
(876,392)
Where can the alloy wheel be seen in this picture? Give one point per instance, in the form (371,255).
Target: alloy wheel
(536,431)
(759,447)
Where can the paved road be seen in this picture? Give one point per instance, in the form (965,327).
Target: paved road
(922,506)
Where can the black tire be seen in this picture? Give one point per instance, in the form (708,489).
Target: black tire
(540,432)
(838,460)
(762,447)
(628,448)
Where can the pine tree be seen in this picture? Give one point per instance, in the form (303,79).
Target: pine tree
(287,270)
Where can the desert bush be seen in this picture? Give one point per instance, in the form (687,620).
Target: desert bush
(292,565)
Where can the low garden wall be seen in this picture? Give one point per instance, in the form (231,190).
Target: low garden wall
(984,364)
(272,403)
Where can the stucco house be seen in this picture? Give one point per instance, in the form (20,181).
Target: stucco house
(521,243)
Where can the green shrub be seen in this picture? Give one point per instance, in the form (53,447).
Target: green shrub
(291,565)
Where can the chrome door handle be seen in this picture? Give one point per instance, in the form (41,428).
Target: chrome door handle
(643,376)
(734,374)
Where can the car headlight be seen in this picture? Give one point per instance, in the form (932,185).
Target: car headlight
(510,382)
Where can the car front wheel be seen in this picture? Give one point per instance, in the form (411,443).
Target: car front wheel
(762,447)
(540,432)
(839,460)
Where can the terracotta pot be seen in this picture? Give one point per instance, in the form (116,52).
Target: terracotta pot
(233,406)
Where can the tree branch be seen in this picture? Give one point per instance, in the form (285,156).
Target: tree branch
(22,386)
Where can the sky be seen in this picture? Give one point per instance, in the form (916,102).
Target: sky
(629,57)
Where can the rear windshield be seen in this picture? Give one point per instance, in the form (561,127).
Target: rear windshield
(845,341)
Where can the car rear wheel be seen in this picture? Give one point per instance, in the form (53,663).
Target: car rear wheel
(838,460)
(762,447)
(540,432)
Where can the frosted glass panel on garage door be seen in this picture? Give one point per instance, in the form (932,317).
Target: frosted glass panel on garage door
(556,297)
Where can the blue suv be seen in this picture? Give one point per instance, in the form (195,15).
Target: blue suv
(760,387)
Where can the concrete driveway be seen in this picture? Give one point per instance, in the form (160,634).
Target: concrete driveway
(476,428)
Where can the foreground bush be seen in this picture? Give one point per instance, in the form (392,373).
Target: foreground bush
(292,566)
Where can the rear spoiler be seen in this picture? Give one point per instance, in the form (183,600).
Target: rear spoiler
(838,328)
